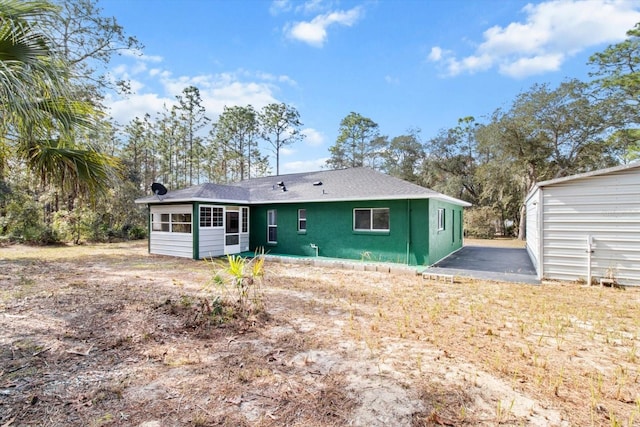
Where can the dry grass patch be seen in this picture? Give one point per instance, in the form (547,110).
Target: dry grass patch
(109,335)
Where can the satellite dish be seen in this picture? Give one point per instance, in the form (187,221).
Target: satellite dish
(158,189)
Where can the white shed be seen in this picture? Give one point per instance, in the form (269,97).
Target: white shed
(587,226)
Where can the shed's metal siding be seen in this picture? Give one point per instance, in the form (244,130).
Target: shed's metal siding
(174,244)
(606,207)
(533,230)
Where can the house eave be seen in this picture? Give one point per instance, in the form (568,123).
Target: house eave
(191,200)
(314,200)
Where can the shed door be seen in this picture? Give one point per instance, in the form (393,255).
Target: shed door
(232,231)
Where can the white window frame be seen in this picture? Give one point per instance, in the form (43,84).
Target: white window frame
(211,209)
(441,219)
(302,217)
(178,222)
(272,223)
(161,222)
(244,220)
(166,222)
(372,212)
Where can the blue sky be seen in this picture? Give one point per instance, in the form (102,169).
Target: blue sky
(403,63)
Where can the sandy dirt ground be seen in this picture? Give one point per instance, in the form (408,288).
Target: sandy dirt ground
(108,335)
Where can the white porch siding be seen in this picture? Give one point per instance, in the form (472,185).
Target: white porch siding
(244,242)
(211,242)
(212,239)
(606,207)
(174,244)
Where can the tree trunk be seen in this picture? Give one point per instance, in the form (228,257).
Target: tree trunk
(522,225)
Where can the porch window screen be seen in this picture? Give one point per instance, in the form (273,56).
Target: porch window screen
(245,220)
(161,222)
(210,216)
(272,226)
(180,223)
(171,222)
(302,220)
(374,219)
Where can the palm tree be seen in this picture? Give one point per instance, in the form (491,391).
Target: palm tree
(40,116)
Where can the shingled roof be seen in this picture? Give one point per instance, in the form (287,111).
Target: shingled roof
(321,186)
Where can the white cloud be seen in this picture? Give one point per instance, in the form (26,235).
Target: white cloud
(310,6)
(139,55)
(533,65)
(220,90)
(552,31)
(392,80)
(123,110)
(279,6)
(312,137)
(435,54)
(286,151)
(135,86)
(159,87)
(303,165)
(273,78)
(314,32)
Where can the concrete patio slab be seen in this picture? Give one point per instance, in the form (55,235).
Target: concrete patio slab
(490,263)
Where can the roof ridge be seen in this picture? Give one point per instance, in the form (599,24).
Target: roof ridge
(356,183)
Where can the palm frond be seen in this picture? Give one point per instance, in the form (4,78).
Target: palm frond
(88,170)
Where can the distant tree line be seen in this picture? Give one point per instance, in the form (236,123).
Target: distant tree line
(182,147)
(69,173)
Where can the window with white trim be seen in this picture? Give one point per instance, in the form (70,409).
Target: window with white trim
(181,223)
(211,216)
(245,220)
(272,226)
(160,222)
(302,220)
(441,219)
(171,222)
(371,219)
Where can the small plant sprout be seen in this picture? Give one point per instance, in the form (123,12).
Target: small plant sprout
(558,381)
(365,255)
(419,362)
(632,353)
(241,282)
(501,412)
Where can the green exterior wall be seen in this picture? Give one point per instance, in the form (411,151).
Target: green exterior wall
(330,227)
(446,241)
(195,230)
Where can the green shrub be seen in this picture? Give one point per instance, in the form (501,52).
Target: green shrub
(480,222)
(136,232)
(23,223)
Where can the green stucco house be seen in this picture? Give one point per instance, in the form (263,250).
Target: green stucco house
(354,213)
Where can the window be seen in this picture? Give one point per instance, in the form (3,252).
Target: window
(272,226)
(440,219)
(171,222)
(302,220)
(160,222)
(371,219)
(180,223)
(210,216)
(245,220)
